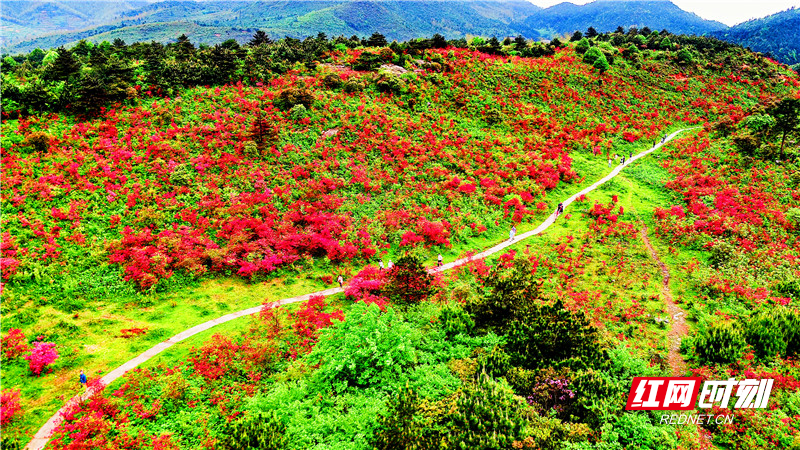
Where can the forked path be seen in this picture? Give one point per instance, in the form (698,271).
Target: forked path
(43,435)
(677,316)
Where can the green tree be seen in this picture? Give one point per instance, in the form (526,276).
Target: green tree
(254,431)
(510,293)
(259,38)
(666,44)
(487,417)
(64,67)
(576,36)
(591,32)
(401,428)
(592,55)
(520,43)
(787,118)
(601,64)
(582,46)
(438,41)
(377,40)
(549,335)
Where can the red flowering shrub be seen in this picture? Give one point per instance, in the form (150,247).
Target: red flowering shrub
(14,343)
(42,355)
(367,286)
(9,406)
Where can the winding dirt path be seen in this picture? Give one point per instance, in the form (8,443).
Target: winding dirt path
(677,316)
(42,436)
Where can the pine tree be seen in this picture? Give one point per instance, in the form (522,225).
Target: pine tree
(401,427)
(520,43)
(591,32)
(259,38)
(255,431)
(787,118)
(377,40)
(438,41)
(64,67)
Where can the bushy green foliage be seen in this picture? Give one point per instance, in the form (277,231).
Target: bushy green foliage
(548,335)
(454,320)
(774,332)
(289,97)
(401,427)
(511,291)
(487,416)
(592,55)
(582,46)
(256,431)
(367,61)
(367,349)
(722,343)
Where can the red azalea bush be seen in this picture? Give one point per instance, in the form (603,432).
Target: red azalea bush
(42,354)
(9,406)
(14,344)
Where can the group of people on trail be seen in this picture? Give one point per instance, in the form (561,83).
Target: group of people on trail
(616,158)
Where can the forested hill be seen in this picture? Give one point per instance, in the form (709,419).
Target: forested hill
(28,25)
(607,15)
(776,34)
(209,21)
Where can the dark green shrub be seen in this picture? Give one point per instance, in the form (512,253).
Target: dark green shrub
(775,332)
(258,431)
(582,46)
(353,85)
(454,320)
(402,426)
(367,61)
(765,333)
(332,81)
(495,363)
(592,55)
(511,291)
(722,343)
(292,96)
(549,335)
(487,416)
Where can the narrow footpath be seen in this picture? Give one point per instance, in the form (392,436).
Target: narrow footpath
(677,316)
(43,435)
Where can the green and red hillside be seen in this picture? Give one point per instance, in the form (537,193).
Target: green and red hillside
(324,165)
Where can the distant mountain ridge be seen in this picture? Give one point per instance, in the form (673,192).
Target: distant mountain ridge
(607,15)
(26,24)
(776,34)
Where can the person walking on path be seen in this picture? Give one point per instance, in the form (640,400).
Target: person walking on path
(82,379)
(340,280)
(560,209)
(380,265)
(390,265)
(609,161)
(439,260)
(623,161)
(512,233)
(630,156)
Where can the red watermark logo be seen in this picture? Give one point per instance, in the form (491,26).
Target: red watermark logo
(681,393)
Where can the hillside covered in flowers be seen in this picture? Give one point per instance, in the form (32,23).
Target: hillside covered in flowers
(136,176)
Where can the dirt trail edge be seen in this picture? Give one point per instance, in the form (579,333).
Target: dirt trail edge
(677,316)
(43,435)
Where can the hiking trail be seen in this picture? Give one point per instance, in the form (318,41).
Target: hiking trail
(42,436)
